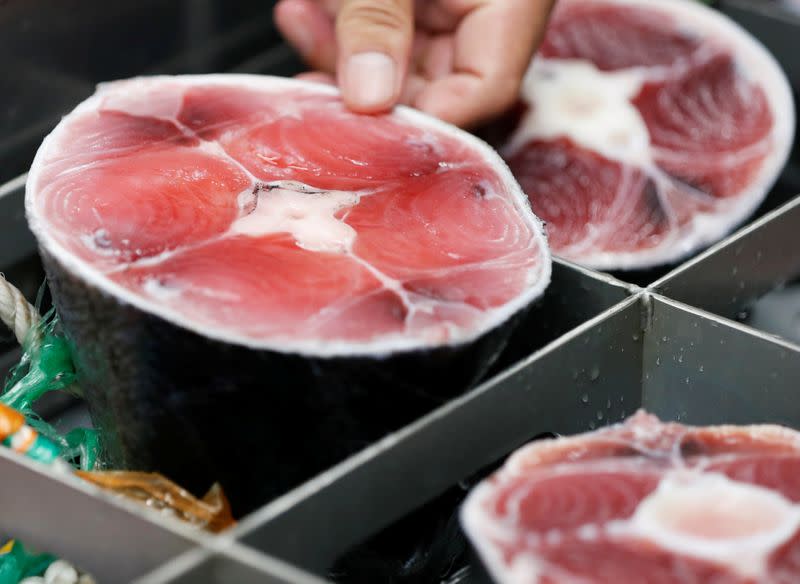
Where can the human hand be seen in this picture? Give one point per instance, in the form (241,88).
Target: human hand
(460,60)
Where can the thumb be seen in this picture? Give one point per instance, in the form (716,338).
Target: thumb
(374,43)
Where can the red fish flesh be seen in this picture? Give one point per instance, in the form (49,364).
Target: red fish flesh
(261,212)
(644,502)
(244,266)
(647,130)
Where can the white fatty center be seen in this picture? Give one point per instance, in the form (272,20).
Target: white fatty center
(308,215)
(593,108)
(710,516)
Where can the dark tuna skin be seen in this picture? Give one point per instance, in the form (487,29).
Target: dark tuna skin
(260,422)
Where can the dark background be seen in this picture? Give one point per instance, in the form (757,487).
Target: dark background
(53,52)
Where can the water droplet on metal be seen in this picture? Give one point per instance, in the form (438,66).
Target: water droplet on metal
(592,425)
(594,373)
(585,398)
(658,361)
(600,414)
(608,404)
(680,358)
(664,338)
(635,337)
(734,270)
(701,368)
(687,381)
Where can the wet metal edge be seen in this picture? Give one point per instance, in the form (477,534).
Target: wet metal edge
(702,369)
(589,375)
(740,269)
(736,384)
(226,563)
(109,537)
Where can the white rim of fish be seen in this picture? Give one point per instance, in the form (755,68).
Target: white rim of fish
(538,280)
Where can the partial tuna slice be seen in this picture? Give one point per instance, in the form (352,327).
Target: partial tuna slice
(644,502)
(259,282)
(646,130)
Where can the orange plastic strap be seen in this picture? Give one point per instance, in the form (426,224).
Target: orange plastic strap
(10,421)
(212,512)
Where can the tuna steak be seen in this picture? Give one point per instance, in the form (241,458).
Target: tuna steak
(644,502)
(647,130)
(250,273)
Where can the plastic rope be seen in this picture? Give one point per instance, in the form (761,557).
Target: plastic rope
(45,366)
(16,312)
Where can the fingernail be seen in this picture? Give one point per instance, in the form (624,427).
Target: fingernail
(369,80)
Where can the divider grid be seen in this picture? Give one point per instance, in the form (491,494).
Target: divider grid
(593,350)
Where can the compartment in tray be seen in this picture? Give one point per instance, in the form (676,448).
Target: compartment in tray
(568,386)
(575,296)
(777,312)
(733,276)
(702,369)
(109,538)
(650,351)
(228,563)
(582,379)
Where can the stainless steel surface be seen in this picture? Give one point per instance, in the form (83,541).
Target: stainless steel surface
(226,564)
(728,277)
(112,540)
(702,369)
(592,350)
(778,313)
(581,380)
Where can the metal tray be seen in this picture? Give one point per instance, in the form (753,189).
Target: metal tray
(594,350)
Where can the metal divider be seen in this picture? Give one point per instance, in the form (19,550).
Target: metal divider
(312,525)
(579,381)
(700,368)
(592,351)
(729,276)
(121,541)
(110,538)
(226,561)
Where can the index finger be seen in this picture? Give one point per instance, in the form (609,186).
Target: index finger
(493,47)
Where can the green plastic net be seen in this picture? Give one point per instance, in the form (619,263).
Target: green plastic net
(46,366)
(18,563)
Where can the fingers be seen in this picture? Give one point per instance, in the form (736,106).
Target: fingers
(374,44)
(317,77)
(307,26)
(492,49)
